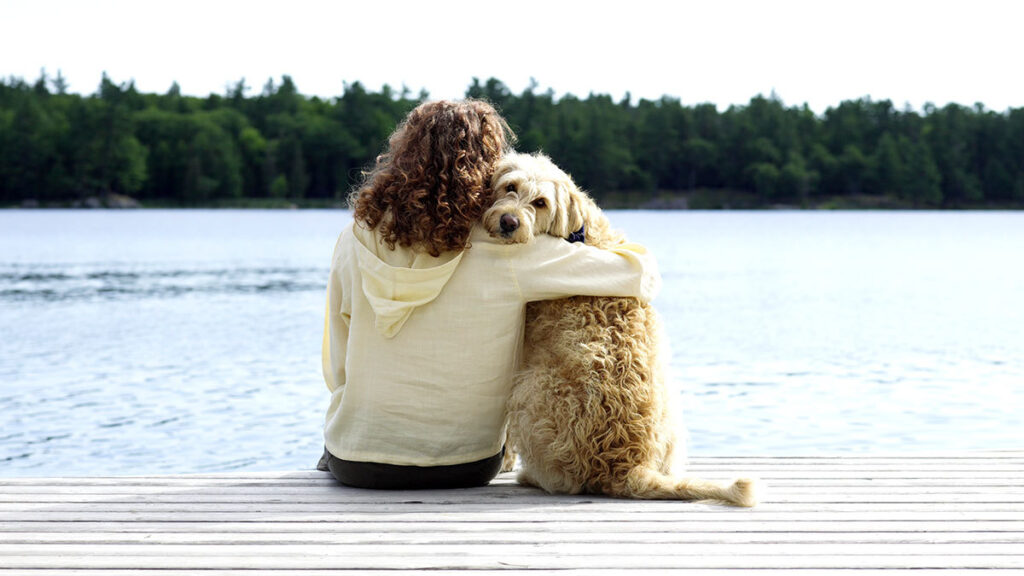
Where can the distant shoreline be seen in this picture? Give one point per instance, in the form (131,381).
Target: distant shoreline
(277,148)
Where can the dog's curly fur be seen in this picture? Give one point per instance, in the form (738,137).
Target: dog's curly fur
(589,410)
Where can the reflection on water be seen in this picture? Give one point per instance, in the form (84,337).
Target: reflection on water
(166,342)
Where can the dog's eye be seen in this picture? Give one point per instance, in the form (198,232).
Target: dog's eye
(510,188)
(539,203)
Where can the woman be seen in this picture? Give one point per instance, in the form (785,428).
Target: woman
(425,311)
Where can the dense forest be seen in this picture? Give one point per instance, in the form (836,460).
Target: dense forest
(278,146)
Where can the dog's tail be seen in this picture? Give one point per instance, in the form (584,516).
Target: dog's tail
(650,484)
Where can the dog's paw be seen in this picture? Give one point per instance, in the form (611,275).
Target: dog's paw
(508,461)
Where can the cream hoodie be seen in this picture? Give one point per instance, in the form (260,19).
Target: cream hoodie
(419,352)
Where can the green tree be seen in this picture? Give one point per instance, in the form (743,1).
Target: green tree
(827,167)
(766,180)
(888,177)
(796,180)
(922,186)
(113,160)
(854,167)
(949,134)
(493,91)
(59,83)
(279,187)
(29,137)
(699,156)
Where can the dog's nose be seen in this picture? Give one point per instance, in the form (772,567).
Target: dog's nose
(509,223)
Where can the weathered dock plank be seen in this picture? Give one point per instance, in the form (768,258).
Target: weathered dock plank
(820,515)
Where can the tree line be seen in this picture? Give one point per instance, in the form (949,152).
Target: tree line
(58,147)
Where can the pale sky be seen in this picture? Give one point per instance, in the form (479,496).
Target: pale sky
(720,51)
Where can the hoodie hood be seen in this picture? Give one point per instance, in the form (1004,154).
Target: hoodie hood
(397,282)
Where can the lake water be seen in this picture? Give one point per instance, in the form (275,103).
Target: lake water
(188,341)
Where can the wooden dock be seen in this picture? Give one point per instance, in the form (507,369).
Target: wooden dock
(819,515)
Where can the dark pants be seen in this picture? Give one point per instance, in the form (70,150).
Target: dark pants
(393,477)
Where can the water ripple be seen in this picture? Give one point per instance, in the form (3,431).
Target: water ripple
(21,285)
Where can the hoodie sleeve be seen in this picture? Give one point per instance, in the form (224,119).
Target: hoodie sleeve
(549,268)
(336,326)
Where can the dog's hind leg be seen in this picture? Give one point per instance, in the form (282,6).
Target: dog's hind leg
(648,484)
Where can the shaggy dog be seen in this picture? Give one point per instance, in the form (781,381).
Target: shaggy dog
(589,410)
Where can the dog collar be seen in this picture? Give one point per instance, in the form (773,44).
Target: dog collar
(577,236)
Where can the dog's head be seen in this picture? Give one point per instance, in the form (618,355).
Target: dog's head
(533,197)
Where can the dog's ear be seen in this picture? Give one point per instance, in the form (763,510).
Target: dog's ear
(572,208)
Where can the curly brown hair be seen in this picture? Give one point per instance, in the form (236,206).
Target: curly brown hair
(432,184)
